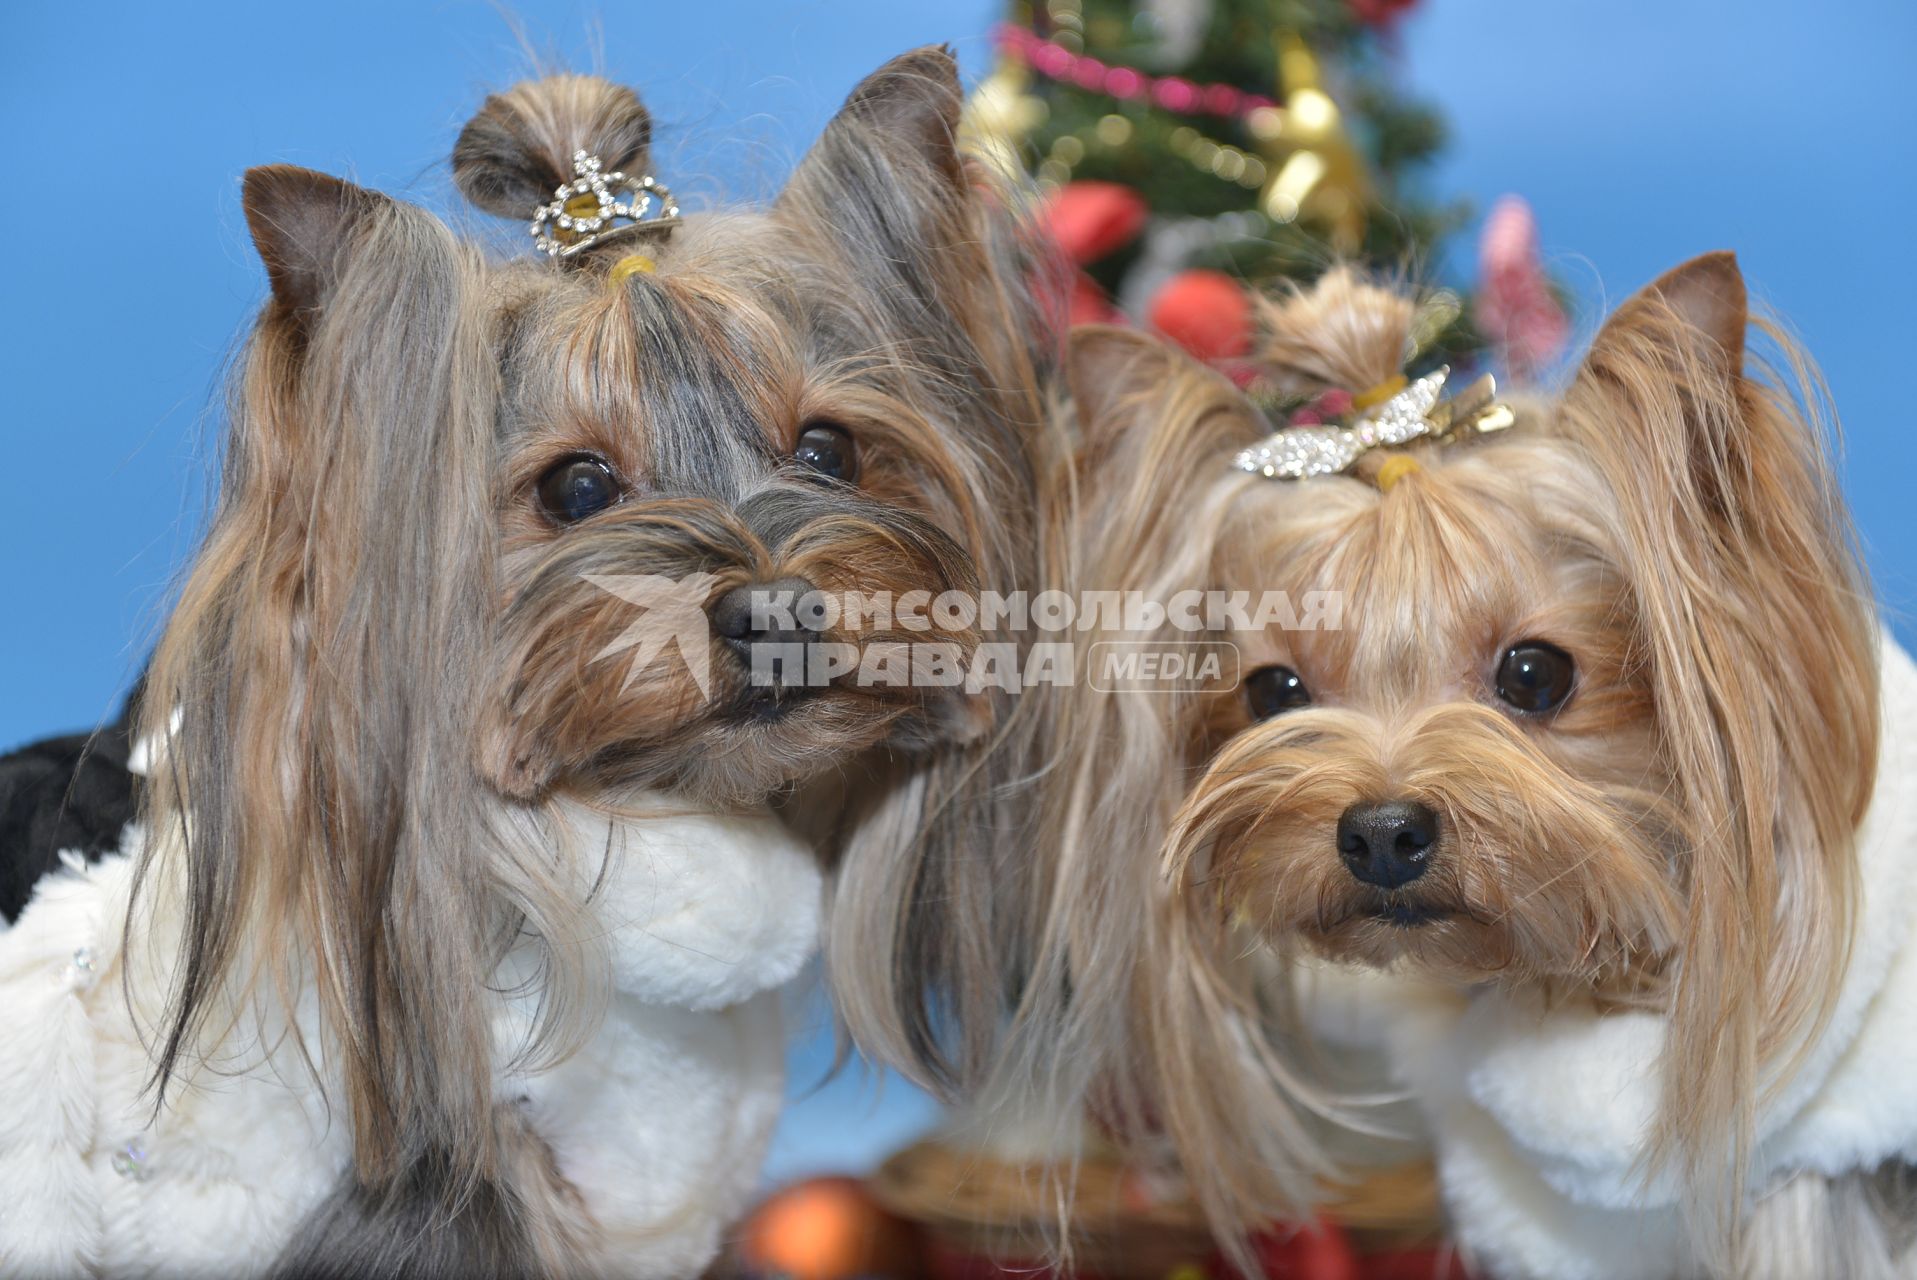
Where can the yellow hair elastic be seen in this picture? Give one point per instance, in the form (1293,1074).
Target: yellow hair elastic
(1375,396)
(1396,468)
(633,264)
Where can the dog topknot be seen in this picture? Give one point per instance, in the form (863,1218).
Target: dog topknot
(519,148)
(1343,331)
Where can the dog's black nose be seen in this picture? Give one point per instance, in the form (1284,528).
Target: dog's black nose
(1387,843)
(766,613)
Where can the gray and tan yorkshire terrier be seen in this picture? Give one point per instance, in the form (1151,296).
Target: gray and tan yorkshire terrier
(1590,818)
(446,942)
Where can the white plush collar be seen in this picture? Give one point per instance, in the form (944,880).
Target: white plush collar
(702,910)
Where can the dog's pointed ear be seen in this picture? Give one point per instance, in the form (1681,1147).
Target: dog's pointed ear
(1664,380)
(886,175)
(1142,404)
(914,100)
(301,222)
(1708,291)
(1107,366)
(1706,295)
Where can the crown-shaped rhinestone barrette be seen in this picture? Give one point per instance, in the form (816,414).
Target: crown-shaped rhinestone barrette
(596,206)
(1410,413)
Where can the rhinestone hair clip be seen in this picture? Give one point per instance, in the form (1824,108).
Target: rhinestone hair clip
(1298,453)
(596,206)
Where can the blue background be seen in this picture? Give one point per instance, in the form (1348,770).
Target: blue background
(1642,132)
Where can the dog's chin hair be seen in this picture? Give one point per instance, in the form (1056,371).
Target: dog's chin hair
(1538,876)
(724,760)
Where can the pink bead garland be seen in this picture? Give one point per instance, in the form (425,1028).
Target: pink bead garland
(1174,93)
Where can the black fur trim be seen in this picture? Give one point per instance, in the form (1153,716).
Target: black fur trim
(72,793)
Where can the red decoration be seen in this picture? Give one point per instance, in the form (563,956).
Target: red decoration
(1322,1253)
(1206,312)
(1516,308)
(826,1229)
(1173,93)
(1091,219)
(1431,1263)
(1317,1254)
(1332,405)
(1381,13)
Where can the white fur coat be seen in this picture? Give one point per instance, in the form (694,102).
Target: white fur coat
(1540,1116)
(660,1122)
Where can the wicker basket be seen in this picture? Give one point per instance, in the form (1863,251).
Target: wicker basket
(974,1206)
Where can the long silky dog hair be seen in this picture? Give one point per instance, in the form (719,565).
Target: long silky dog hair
(387,637)
(1122,1006)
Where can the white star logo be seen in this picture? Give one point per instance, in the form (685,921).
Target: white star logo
(674,613)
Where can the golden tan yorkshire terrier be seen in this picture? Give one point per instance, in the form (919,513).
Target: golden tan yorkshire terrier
(446,944)
(1576,796)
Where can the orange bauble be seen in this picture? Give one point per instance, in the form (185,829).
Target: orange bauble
(827,1229)
(1206,312)
(1088,220)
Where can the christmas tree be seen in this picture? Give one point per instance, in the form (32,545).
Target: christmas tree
(1192,150)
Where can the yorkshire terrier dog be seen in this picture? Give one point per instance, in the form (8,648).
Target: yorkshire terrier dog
(445,944)
(1583,780)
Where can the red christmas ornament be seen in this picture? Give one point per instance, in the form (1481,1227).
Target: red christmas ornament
(1088,220)
(1320,1252)
(1429,1263)
(1128,84)
(1516,308)
(1380,13)
(827,1229)
(1206,312)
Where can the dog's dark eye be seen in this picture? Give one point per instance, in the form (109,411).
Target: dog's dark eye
(829,450)
(576,488)
(1535,676)
(1271,691)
